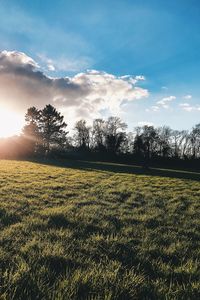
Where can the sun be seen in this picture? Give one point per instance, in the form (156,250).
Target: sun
(11,123)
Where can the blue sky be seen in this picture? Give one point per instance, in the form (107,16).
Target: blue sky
(159,40)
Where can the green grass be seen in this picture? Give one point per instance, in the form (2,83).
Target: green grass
(92,231)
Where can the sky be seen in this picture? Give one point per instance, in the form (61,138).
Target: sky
(138,60)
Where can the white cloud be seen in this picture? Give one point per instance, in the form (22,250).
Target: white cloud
(140,77)
(15,58)
(85,95)
(164,102)
(155,108)
(187,97)
(133,80)
(108,91)
(188,107)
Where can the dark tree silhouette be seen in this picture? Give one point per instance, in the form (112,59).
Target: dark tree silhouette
(82,135)
(195,141)
(163,142)
(52,128)
(114,134)
(44,132)
(146,143)
(98,134)
(31,130)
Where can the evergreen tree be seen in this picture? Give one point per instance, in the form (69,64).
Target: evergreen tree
(31,130)
(52,128)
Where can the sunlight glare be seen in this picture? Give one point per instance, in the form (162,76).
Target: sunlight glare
(11,123)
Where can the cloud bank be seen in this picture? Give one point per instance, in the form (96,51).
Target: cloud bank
(24,84)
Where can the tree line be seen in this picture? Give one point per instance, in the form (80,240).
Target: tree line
(45,134)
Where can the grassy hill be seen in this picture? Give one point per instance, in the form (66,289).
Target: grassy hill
(98,231)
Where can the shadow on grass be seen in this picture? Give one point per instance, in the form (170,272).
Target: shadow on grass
(120,168)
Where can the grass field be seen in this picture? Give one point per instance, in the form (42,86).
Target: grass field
(98,231)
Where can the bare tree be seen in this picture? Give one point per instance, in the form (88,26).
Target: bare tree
(82,134)
(115,134)
(98,133)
